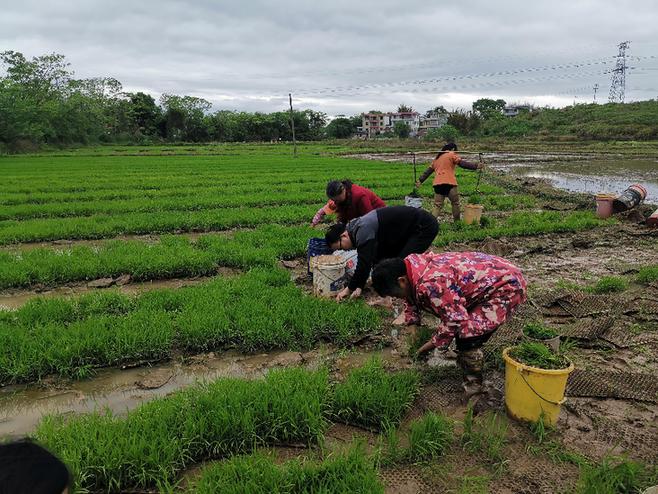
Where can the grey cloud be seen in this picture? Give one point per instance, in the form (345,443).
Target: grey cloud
(247,55)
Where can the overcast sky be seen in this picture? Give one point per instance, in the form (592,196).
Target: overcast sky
(345,57)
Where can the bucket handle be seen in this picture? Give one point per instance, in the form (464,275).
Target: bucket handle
(558,403)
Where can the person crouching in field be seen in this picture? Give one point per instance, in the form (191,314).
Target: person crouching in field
(470,292)
(348,201)
(394,231)
(445,181)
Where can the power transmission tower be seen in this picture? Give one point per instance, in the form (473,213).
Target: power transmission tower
(596,88)
(618,84)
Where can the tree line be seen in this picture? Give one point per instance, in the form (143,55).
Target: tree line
(42,103)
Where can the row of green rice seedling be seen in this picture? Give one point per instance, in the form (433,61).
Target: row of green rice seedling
(104,226)
(179,257)
(518,224)
(126,172)
(163,186)
(171,257)
(118,174)
(152,444)
(261,309)
(202,200)
(428,438)
(350,472)
(371,398)
(224,188)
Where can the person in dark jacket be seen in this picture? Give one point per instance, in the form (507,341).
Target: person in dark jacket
(348,201)
(27,468)
(394,231)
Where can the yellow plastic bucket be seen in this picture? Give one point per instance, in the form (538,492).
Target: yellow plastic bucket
(531,392)
(472,213)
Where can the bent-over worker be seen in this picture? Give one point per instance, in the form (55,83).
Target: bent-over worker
(348,201)
(470,292)
(394,231)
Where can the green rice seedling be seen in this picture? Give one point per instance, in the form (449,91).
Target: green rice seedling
(150,445)
(648,274)
(616,476)
(372,397)
(486,435)
(609,284)
(557,452)
(351,472)
(538,355)
(423,334)
(473,484)
(429,437)
(539,331)
(389,450)
(540,429)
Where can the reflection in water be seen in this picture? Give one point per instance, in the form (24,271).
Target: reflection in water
(589,176)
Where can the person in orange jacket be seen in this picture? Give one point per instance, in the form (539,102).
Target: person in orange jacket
(445,182)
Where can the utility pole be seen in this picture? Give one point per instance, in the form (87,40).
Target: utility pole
(618,83)
(292,125)
(596,87)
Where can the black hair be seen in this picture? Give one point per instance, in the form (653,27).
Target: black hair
(451,146)
(27,468)
(334,232)
(385,275)
(335,187)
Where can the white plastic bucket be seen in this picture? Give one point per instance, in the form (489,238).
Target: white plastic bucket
(414,202)
(350,258)
(328,275)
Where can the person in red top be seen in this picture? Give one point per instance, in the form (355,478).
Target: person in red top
(471,293)
(348,201)
(445,181)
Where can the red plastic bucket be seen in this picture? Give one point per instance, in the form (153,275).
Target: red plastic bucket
(604,205)
(653,219)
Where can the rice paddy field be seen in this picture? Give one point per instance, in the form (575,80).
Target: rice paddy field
(158,331)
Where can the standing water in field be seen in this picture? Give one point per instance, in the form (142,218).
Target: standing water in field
(583,174)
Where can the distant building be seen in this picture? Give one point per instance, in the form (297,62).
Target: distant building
(376,123)
(431,120)
(514,110)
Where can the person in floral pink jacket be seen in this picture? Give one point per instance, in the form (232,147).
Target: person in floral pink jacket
(470,292)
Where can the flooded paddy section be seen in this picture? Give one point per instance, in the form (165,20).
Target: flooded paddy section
(586,173)
(23,406)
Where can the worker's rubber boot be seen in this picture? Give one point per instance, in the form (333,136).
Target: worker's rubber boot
(471,361)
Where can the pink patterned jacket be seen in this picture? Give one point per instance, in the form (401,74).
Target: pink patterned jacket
(472,293)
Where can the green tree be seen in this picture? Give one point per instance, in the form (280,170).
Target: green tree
(184,117)
(488,108)
(143,114)
(401,129)
(341,128)
(402,108)
(448,133)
